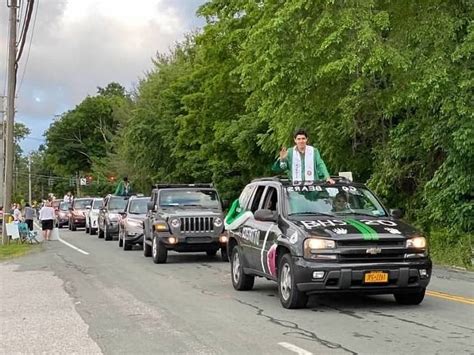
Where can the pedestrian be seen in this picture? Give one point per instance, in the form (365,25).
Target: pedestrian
(68,197)
(46,217)
(17,217)
(302,163)
(29,215)
(124,188)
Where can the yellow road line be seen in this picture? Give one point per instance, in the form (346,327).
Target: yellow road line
(450,297)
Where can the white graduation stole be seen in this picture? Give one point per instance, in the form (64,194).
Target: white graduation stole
(297,174)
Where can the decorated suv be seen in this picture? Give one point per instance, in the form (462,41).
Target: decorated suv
(184,218)
(324,238)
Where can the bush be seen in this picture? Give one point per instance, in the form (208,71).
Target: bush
(451,249)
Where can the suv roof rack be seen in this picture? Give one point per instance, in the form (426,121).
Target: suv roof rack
(285,180)
(167,186)
(272,178)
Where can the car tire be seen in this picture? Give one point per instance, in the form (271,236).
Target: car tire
(410,298)
(146,249)
(211,252)
(101,233)
(290,296)
(240,280)
(158,252)
(107,235)
(126,245)
(86,230)
(93,231)
(73,227)
(224,254)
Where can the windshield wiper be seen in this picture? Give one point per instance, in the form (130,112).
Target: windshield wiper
(192,205)
(311,213)
(359,214)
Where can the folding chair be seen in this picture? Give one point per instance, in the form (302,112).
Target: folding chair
(27,236)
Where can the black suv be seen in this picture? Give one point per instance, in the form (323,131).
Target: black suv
(323,238)
(184,218)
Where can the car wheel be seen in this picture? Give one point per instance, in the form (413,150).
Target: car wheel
(87,230)
(101,233)
(240,280)
(158,252)
(93,231)
(211,252)
(146,248)
(290,296)
(410,298)
(73,227)
(126,245)
(224,255)
(120,240)
(107,235)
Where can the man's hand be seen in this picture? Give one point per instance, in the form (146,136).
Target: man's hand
(331,181)
(283,153)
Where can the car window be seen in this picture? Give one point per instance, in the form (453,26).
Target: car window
(199,198)
(64,206)
(245,196)
(256,198)
(138,206)
(270,201)
(97,204)
(82,204)
(117,204)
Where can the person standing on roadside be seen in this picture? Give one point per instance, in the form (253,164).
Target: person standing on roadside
(302,163)
(17,217)
(29,216)
(46,217)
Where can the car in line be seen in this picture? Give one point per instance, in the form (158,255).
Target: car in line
(77,213)
(92,215)
(325,238)
(131,222)
(62,214)
(109,215)
(184,218)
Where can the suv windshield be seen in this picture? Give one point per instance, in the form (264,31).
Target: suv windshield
(82,204)
(332,200)
(97,204)
(117,204)
(138,206)
(64,206)
(199,198)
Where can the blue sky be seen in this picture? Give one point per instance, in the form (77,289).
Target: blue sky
(79,45)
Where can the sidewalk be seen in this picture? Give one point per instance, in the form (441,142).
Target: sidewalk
(38,316)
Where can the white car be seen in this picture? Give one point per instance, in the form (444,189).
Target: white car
(92,215)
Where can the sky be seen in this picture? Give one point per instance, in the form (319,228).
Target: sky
(79,45)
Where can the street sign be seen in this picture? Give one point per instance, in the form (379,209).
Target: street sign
(83,181)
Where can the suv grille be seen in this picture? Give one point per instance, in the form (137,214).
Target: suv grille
(197,224)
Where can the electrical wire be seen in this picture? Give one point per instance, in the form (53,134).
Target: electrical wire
(29,48)
(27,25)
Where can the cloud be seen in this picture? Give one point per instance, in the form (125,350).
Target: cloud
(80,45)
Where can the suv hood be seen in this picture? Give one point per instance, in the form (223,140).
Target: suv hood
(188,212)
(355,227)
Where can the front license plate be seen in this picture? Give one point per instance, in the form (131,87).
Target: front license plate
(375,277)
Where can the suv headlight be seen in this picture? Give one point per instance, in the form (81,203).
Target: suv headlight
(217,222)
(175,223)
(319,243)
(416,243)
(161,227)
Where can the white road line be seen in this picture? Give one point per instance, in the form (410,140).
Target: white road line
(295,348)
(68,244)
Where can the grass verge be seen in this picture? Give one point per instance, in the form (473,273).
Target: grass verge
(14,250)
(451,249)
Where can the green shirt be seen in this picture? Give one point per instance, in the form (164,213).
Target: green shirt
(285,165)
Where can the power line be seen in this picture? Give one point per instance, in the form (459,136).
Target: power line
(29,48)
(29,12)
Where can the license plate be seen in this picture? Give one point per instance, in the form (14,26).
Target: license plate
(376,277)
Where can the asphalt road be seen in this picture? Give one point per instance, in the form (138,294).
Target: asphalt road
(132,306)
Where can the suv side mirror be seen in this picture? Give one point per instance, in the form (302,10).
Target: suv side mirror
(396,213)
(265,215)
(225,204)
(150,206)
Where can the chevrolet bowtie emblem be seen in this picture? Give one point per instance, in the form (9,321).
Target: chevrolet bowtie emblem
(373,251)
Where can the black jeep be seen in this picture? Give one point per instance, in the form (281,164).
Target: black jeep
(323,238)
(184,218)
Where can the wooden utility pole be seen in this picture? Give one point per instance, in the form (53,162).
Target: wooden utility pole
(9,145)
(2,147)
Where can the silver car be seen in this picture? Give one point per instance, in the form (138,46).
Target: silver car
(131,222)
(92,215)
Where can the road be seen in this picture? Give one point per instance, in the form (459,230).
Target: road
(188,306)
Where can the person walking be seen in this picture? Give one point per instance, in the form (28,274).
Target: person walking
(46,217)
(29,214)
(302,163)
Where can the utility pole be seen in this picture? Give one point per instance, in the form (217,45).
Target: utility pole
(9,146)
(2,147)
(29,181)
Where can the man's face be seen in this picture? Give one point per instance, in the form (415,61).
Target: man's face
(300,141)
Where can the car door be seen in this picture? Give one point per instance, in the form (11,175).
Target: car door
(147,224)
(102,211)
(249,231)
(269,232)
